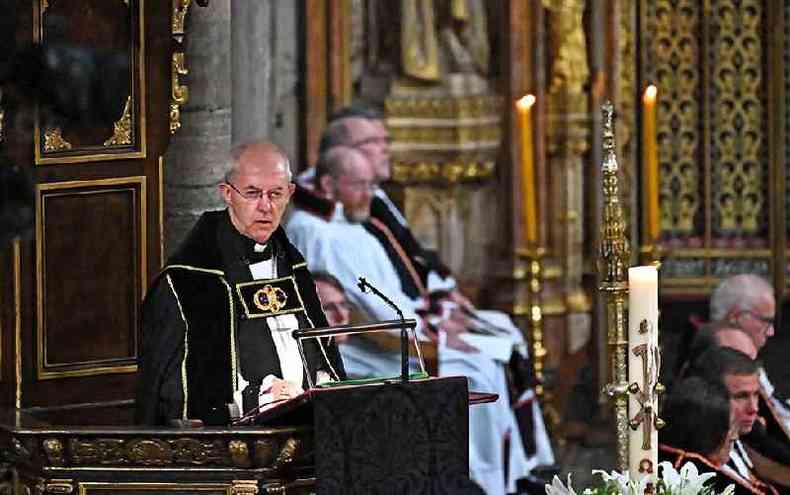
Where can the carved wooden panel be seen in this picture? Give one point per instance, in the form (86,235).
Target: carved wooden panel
(75,302)
(71,291)
(115,30)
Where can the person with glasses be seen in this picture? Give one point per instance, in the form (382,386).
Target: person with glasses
(217,322)
(747,302)
(348,242)
(334,301)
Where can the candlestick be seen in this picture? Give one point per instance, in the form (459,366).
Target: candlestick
(650,164)
(643,363)
(529,200)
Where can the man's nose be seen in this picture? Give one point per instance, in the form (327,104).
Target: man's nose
(264,203)
(753,405)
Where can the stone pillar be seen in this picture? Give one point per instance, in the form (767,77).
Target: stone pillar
(265,72)
(194,161)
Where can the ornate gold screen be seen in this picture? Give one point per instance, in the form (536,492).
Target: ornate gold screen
(719,190)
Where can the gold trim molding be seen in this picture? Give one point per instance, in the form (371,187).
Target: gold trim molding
(180,10)
(99,367)
(179,93)
(122,134)
(451,172)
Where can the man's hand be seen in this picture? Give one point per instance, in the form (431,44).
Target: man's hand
(461,300)
(283,389)
(453,330)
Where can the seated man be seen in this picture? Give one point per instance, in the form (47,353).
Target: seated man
(214,343)
(342,244)
(747,302)
(737,372)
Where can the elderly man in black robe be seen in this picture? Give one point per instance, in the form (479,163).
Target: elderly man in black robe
(217,322)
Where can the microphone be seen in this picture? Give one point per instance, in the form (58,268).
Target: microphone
(366,287)
(363,285)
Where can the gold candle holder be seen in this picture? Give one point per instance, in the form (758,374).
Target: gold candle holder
(613,266)
(533,308)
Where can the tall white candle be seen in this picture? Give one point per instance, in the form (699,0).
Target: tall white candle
(643,362)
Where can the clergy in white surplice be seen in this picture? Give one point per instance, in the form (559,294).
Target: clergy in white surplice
(345,242)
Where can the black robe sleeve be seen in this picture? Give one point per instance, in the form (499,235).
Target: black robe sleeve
(160,395)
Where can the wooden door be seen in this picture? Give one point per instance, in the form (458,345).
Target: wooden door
(71,291)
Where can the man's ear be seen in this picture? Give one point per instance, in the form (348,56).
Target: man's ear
(327,184)
(225,192)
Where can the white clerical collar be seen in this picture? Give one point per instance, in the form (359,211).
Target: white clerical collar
(259,248)
(338,215)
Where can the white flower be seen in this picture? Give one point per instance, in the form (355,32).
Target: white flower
(557,488)
(623,480)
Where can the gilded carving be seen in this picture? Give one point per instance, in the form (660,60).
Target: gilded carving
(239,453)
(452,172)
(53,448)
(53,140)
(179,93)
(59,487)
(288,453)
(149,452)
(244,487)
(736,117)
(180,9)
(626,88)
(674,54)
(122,133)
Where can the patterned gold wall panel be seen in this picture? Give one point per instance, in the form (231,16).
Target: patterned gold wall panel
(99,34)
(708,61)
(736,116)
(89,284)
(674,52)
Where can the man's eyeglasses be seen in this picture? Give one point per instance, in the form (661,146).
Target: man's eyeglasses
(362,185)
(767,321)
(337,307)
(383,140)
(275,195)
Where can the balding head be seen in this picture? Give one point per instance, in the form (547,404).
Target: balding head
(737,339)
(345,175)
(257,188)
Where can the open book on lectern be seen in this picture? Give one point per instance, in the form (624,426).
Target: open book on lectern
(406,327)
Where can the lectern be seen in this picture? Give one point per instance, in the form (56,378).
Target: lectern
(387,436)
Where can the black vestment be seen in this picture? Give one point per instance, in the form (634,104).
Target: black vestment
(195,339)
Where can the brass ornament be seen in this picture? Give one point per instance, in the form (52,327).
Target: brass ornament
(288,453)
(53,140)
(179,93)
(244,487)
(270,299)
(122,134)
(239,453)
(614,259)
(59,486)
(180,10)
(53,448)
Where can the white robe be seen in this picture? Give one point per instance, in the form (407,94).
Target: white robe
(347,251)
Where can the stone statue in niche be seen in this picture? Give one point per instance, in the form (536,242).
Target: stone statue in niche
(430,66)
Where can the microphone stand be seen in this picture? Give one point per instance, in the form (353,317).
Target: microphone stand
(364,286)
